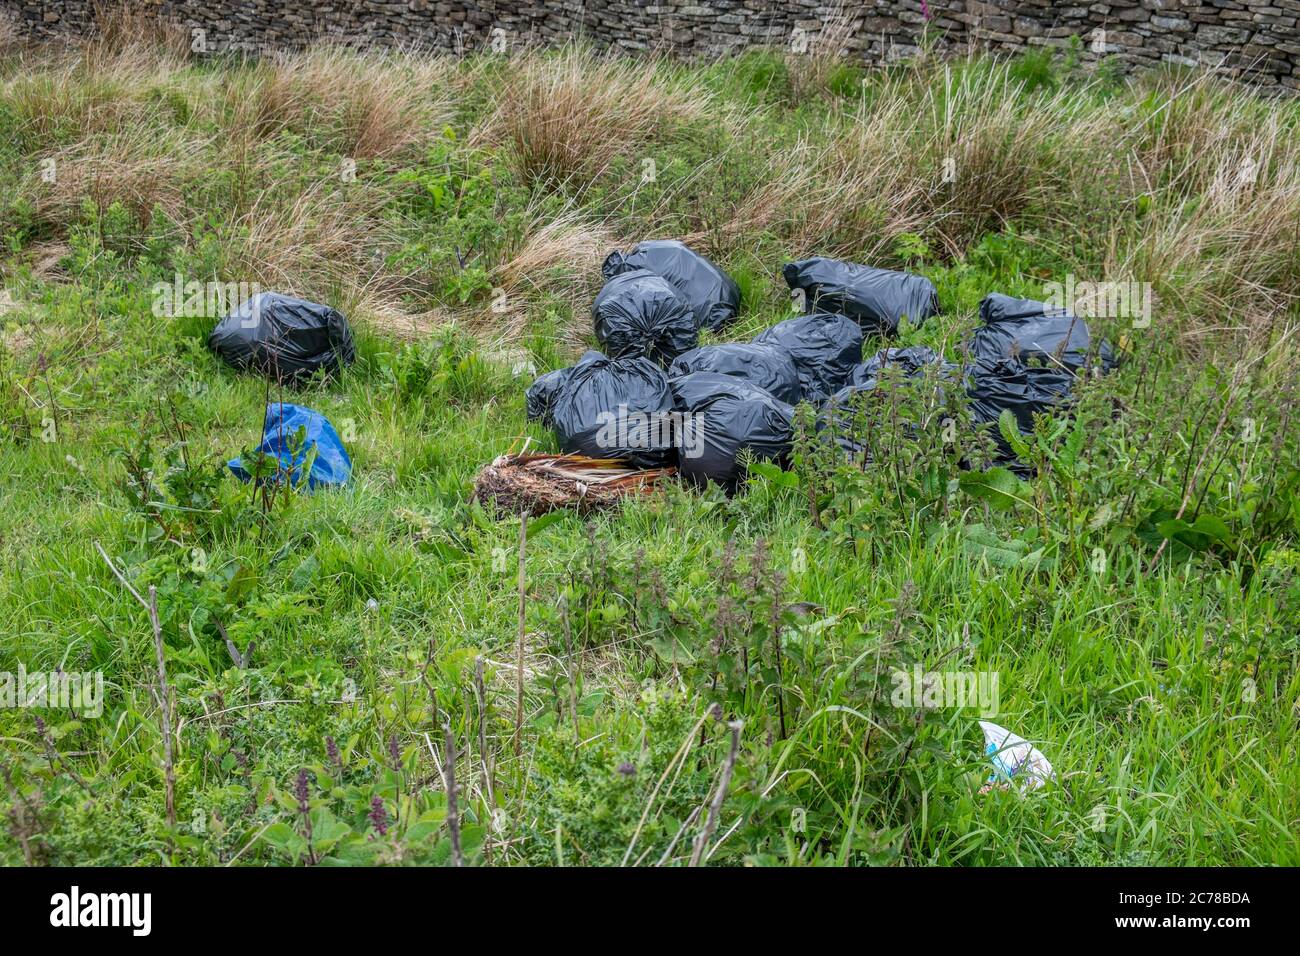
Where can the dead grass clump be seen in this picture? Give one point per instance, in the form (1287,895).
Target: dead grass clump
(991,154)
(567,116)
(64,92)
(298,243)
(137,168)
(135,29)
(1218,171)
(849,195)
(361,104)
(62,102)
(557,257)
(950,151)
(558,253)
(813,69)
(380,301)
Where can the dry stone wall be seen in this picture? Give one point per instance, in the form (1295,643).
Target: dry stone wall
(1252,40)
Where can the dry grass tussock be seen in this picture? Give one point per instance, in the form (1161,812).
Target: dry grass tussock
(69,94)
(1218,173)
(135,147)
(850,196)
(990,153)
(300,243)
(950,153)
(362,104)
(140,169)
(558,257)
(133,29)
(100,84)
(567,116)
(820,56)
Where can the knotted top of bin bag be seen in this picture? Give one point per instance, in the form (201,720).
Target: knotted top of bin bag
(615,408)
(331,465)
(638,313)
(713,295)
(770,367)
(1031,331)
(877,299)
(721,415)
(539,400)
(824,346)
(283,337)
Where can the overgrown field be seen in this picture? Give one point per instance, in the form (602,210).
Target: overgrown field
(1139,603)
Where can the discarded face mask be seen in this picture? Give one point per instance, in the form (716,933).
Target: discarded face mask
(1014,759)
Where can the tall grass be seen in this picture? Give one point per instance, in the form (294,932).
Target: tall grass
(567,116)
(486,193)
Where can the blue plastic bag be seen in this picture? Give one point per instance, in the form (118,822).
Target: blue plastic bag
(331,467)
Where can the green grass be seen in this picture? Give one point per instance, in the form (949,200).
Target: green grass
(1162,687)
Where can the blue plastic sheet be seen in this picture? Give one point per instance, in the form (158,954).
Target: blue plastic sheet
(332,466)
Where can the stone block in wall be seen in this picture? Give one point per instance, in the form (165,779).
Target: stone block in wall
(1220,36)
(1050,42)
(1007,39)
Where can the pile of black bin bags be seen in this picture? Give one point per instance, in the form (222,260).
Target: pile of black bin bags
(655,397)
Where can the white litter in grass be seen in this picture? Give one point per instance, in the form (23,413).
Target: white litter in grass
(1014,759)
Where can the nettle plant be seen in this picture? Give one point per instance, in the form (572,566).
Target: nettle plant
(886,458)
(738,649)
(1203,466)
(375,788)
(20,421)
(175,490)
(461,190)
(721,627)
